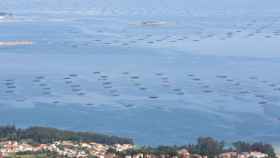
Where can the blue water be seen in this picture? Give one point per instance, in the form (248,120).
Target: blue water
(165,84)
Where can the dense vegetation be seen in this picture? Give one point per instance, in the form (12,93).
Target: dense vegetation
(49,135)
(205,146)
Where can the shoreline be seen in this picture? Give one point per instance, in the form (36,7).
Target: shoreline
(15,43)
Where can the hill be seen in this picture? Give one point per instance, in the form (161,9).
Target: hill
(49,135)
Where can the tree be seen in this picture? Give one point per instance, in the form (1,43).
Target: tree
(264,148)
(241,146)
(207,146)
(48,135)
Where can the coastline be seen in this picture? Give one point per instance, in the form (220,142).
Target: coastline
(15,43)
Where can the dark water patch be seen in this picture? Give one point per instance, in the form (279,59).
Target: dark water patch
(196,79)
(164,78)
(68,82)
(75,86)
(129,105)
(56,102)
(107,83)
(222,76)
(107,87)
(36,81)
(40,77)
(11,87)
(260,96)
(244,92)
(180,93)
(137,84)
(104,76)
(46,93)
(134,77)
(159,74)
(81,94)
(237,84)
(9,83)
(276,89)
(96,72)
(113,91)
(43,85)
(205,86)
(268,36)
(9,91)
(153,97)
(253,78)
(125,73)
(264,81)
(207,91)
(76,90)
(115,95)
(230,80)
(67,78)
(262,102)
(177,90)
(73,75)
(20,100)
(143,88)
(272,85)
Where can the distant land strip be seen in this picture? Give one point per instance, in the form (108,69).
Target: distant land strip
(15,43)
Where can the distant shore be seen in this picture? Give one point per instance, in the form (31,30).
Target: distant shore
(41,142)
(15,43)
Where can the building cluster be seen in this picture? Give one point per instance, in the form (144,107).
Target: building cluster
(72,149)
(253,154)
(62,148)
(184,153)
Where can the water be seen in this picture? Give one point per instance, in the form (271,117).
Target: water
(102,70)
